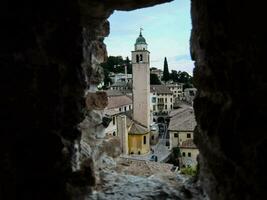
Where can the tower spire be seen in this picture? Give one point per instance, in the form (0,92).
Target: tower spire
(141,29)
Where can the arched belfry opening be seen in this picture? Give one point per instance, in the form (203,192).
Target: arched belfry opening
(48,59)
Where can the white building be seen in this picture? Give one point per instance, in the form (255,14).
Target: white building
(120,77)
(158,72)
(117,104)
(177,91)
(161,98)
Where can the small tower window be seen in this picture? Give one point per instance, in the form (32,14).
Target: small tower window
(137,58)
(144,139)
(141,57)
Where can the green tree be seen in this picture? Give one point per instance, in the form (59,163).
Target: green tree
(166,74)
(154,79)
(115,64)
(129,65)
(186,79)
(174,76)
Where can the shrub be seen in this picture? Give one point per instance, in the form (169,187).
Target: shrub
(191,171)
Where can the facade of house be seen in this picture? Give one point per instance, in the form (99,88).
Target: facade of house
(117,104)
(158,72)
(177,91)
(161,98)
(120,77)
(181,128)
(189,95)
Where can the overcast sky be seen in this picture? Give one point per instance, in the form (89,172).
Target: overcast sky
(166,28)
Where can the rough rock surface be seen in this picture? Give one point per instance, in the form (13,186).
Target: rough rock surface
(229,47)
(50,52)
(119,186)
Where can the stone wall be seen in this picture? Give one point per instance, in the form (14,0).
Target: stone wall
(228,44)
(50,53)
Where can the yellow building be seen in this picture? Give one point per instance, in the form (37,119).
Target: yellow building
(181,128)
(189,153)
(138,138)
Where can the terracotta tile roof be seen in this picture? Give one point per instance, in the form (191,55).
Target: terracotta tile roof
(118,101)
(135,127)
(188,144)
(161,89)
(113,93)
(183,120)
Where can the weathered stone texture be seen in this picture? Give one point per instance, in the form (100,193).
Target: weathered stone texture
(96,101)
(229,46)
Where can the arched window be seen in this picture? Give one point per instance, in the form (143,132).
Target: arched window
(144,139)
(141,57)
(137,58)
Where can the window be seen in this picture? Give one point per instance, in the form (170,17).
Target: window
(175,134)
(171,99)
(154,99)
(189,154)
(119,109)
(137,58)
(188,135)
(183,154)
(171,106)
(125,108)
(166,107)
(114,134)
(154,107)
(141,57)
(130,107)
(165,100)
(152,137)
(144,139)
(114,120)
(191,93)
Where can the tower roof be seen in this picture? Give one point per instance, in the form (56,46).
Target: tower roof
(140,39)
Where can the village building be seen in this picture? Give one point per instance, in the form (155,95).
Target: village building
(189,95)
(158,72)
(177,91)
(120,77)
(161,98)
(181,128)
(117,104)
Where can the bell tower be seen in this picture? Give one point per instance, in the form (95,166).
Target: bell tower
(141,82)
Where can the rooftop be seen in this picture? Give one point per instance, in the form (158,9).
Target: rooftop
(188,144)
(183,119)
(118,101)
(135,127)
(161,89)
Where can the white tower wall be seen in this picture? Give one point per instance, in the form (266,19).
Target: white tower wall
(141,87)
